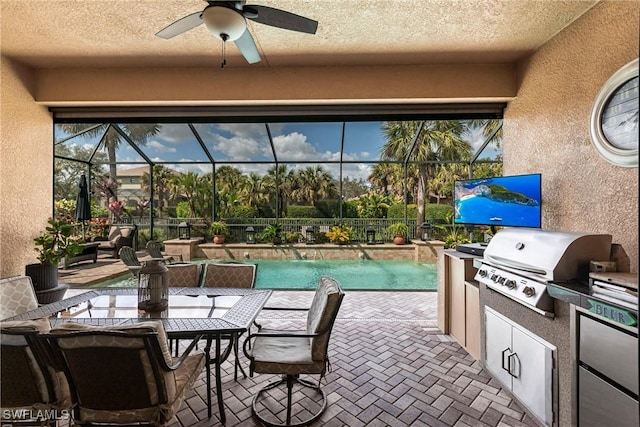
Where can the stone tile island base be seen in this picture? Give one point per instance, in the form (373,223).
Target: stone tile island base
(417,250)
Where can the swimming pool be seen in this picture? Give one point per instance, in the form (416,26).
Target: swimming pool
(352,274)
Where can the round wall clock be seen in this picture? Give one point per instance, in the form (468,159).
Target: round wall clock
(614,117)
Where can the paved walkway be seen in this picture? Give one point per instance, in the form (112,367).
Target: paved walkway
(391,366)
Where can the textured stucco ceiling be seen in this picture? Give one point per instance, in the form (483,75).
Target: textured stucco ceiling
(121,33)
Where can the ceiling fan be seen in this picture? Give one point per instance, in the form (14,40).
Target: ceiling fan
(227,20)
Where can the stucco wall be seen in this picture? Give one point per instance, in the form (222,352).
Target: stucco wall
(546,128)
(26,164)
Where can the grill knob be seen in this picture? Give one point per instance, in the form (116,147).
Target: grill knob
(529,291)
(511,284)
(495,277)
(501,280)
(483,273)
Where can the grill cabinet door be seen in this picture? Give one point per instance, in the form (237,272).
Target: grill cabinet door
(498,347)
(532,368)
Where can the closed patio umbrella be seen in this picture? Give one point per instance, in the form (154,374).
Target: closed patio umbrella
(83,206)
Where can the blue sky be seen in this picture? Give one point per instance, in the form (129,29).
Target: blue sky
(242,142)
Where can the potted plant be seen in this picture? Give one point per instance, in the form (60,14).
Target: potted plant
(53,245)
(399,230)
(220,231)
(340,234)
(271,233)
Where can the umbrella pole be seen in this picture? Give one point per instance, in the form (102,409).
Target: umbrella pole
(83,231)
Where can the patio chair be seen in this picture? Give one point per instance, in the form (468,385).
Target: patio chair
(16,296)
(123,375)
(31,391)
(155,251)
(291,353)
(184,275)
(231,275)
(128,256)
(119,236)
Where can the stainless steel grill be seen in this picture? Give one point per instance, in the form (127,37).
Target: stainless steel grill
(519,263)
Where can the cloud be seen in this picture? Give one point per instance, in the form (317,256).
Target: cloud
(237,148)
(161,148)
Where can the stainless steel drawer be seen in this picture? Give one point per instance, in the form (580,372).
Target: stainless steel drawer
(601,404)
(609,351)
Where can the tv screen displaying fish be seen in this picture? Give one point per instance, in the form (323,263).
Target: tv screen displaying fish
(508,201)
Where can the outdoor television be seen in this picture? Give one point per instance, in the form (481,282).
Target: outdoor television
(508,201)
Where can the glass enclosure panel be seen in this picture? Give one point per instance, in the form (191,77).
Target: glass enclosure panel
(305,142)
(78,141)
(173,143)
(236,142)
(363,141)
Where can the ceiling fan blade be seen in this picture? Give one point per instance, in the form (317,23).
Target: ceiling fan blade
(182,25)
(279,18)
(248,47)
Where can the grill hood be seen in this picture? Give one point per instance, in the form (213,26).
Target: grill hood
(552,256)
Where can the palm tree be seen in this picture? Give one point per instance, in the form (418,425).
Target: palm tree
(439,140)
(253,193)
(138,133)
(383,176)
(193,189)
(279,178)
(161,177)
(313,184)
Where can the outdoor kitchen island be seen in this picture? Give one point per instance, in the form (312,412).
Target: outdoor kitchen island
(526,338)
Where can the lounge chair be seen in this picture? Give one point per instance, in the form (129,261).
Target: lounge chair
(128,256)
(119,236)
(155,251)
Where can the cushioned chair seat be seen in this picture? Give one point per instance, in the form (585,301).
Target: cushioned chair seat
(293,355)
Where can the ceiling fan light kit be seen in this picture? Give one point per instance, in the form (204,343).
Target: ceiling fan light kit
(227,21)
(223,20)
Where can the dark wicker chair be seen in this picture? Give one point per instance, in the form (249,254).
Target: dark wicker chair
(123,375)
(31,391)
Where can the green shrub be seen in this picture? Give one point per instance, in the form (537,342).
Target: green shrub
(442,212)
(321,237)
(349,209)
(396,210)
(298,211)
(183,210)
(291,237)
(243,211)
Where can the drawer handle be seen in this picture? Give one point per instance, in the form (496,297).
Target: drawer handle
(513,366)
(504,366)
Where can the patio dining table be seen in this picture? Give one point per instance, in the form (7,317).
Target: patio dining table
(208,312)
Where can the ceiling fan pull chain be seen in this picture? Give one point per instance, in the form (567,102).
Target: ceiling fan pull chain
(224,49)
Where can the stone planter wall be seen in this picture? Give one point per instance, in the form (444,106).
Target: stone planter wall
(415,251)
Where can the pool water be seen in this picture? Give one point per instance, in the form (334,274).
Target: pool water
(358,274)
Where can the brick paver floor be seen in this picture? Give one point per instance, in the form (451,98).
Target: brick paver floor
(391,366)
